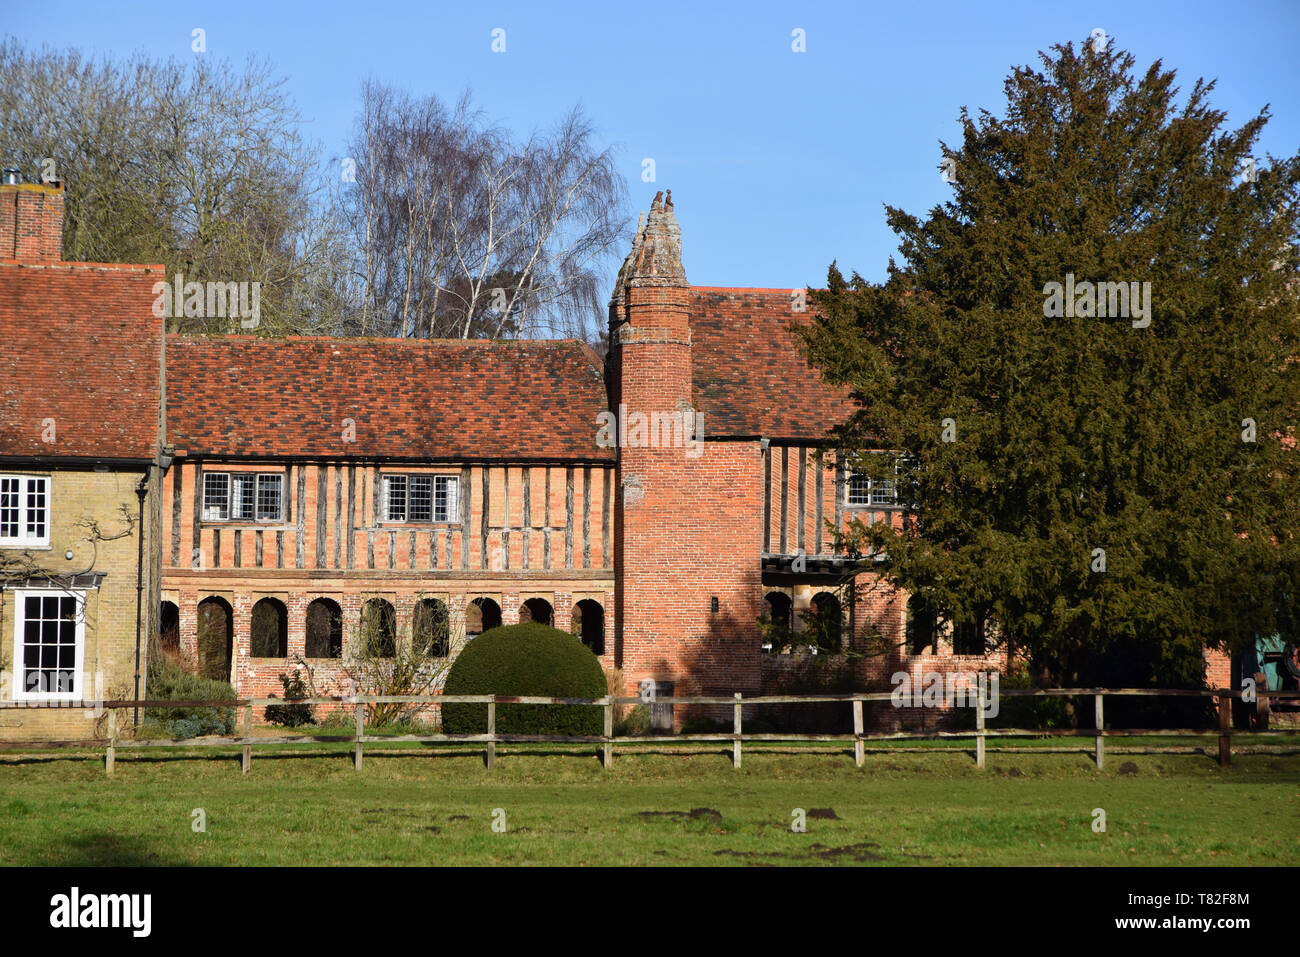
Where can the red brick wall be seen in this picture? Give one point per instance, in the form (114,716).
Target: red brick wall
(689,532)
(1218,669)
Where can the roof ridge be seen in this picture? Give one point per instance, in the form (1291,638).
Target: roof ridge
(395,340)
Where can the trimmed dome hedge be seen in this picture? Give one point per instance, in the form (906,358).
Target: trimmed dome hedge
(527,659)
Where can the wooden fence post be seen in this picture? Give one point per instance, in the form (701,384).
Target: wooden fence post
(248,732)
(608,755)
(859,752)
(491,758)
(979,728)
(1225,725)
(360,714)
(735,728)
(110,756)
(1098,710)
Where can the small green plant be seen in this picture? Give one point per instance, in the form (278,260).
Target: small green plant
(382,663)
(1030,713)
(291,715)
(634,724)
(775,636)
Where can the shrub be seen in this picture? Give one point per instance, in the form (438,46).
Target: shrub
(382,664)
(701,724)
(528,659)
(636,723)
(1031,714)
(291,715)
(170,680)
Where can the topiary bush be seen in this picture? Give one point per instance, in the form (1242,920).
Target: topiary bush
(528,659)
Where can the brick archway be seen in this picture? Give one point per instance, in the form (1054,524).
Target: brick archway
(537,610)
(216,638)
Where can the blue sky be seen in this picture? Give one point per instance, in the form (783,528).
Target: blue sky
(779,162)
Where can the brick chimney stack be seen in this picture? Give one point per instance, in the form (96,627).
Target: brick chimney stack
(31,220)
(649,317)
(686,545)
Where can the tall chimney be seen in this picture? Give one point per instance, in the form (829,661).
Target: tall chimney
(31,220)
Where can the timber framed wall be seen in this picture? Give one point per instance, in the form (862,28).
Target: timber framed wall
(519,532)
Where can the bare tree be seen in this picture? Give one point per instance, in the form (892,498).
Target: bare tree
(464,232)
(198,166)
(452,228)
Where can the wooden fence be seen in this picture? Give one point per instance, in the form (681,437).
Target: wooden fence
(607,740)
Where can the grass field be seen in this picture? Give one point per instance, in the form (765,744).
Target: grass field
(914,808)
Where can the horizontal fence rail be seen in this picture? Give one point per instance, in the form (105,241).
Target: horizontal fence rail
(113,742)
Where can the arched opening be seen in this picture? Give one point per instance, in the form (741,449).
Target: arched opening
(536,610)
(324,629)
(269,637)
(968,637)
(482,614)
(780,618)
(589,624)
(215,638)
(378,629)
(169,628)
(922,623)
(779,606)
(429,628)
(826,622)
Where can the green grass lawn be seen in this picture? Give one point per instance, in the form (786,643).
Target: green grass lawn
(437,808)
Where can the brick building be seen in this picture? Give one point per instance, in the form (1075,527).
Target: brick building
(79,469)
(656,503)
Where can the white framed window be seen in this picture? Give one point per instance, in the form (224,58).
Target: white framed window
(243,496)
(24,511)
(859,489)
(49,644)
(419,498)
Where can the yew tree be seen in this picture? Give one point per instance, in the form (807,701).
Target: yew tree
(1106,474)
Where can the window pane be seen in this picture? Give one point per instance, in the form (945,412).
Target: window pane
(444,499)
(9,507)
(395,498)
(268,497)
(241,496)
(883,492)
(421,498)
(858,489)
(216,496)
(36,496)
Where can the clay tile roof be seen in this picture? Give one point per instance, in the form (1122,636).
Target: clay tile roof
(80,346)
(408,398)
(749,375)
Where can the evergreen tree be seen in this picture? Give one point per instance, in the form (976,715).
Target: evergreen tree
(1108,489)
